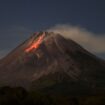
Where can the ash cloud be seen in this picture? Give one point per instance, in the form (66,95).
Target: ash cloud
(89,40)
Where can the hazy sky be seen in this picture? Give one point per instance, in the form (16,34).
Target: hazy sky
(20,18)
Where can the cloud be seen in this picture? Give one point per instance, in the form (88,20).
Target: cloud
(90,41)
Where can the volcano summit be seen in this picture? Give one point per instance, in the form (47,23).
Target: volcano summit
(48,60)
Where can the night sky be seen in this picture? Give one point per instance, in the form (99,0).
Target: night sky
(20,18)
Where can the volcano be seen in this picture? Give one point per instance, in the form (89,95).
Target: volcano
(49,61)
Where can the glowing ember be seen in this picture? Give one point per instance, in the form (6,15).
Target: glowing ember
(36,44)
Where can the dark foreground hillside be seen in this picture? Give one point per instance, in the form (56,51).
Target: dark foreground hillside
(19,96)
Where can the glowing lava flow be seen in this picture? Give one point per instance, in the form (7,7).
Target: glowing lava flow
(36,44)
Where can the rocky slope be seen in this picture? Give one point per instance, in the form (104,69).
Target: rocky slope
(49,60)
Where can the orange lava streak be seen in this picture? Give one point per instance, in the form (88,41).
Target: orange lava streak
(36,44)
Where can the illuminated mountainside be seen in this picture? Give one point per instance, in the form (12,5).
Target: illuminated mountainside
(49,60)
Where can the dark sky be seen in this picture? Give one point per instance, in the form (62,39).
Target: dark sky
(20,18)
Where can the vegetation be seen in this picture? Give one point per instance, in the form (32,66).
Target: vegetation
(19,96)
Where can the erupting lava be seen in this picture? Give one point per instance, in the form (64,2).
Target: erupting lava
(36,44)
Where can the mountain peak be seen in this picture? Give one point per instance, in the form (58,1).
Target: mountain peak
(38,38)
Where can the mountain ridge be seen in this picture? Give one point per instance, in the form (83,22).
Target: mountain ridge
(46,59)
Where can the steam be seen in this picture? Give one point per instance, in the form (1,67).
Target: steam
(90,41)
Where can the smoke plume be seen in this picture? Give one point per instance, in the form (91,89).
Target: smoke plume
(90,41)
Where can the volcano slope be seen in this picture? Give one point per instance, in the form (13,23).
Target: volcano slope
(48,61)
